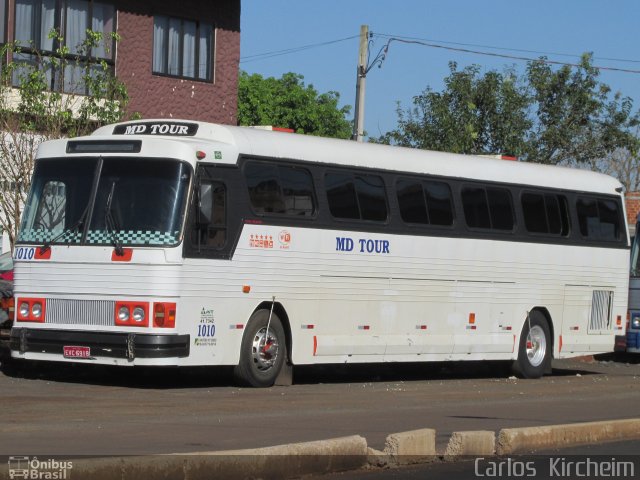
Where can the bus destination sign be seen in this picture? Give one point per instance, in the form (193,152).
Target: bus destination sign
(176,129)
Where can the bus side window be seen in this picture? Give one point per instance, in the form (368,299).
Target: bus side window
(545,213)
(599,218)
(211,215)
(488,208)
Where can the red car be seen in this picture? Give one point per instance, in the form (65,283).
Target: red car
(6,296)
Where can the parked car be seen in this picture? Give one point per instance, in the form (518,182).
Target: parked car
(6,296)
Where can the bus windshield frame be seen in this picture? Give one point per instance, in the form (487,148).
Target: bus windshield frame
(101,201)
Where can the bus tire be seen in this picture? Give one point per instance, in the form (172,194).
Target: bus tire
(534,350)
(261,356)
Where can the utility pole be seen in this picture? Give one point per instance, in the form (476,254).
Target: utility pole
(363,59)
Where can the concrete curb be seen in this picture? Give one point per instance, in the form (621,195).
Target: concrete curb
(479,443)
(282,461)
(346,453)
(404,448)
(518,440)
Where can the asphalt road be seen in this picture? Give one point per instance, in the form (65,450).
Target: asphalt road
(66,410)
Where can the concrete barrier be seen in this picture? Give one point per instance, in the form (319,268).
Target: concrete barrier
(282,461)
(416,446)
(518,440)
(480,442)
(342,454)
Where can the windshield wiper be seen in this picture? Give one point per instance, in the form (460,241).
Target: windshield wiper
(111,225)
(72,229)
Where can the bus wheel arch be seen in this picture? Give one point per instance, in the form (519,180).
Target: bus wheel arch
(535,347)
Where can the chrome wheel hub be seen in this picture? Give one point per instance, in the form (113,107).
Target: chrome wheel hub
(264,349)
(536,346)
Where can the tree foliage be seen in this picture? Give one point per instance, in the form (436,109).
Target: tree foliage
(474,114)
(31,111)
(288,103)
(553,116)
(576,119)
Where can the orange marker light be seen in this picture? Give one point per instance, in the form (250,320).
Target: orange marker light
(472,318)
(246,288)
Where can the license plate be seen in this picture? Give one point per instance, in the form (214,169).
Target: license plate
(76,352)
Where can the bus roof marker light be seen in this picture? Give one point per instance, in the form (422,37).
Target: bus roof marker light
(200,155)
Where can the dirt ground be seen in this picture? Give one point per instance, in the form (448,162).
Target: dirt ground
(61,409)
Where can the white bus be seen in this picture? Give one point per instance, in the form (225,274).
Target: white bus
(187,243)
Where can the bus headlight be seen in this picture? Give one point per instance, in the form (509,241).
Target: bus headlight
(24,309)
(131,314)
(36,310)
(138,314)
(31,310)
(123,313)
(635,323)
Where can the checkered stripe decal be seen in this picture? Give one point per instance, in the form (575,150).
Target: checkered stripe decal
(133,237)
(43,236)
(102,237)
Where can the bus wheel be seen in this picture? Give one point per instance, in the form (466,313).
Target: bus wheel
(262,353)
(534,351)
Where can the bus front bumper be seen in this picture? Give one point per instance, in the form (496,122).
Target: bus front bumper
(121,345)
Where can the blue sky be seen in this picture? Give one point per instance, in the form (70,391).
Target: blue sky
(608,28)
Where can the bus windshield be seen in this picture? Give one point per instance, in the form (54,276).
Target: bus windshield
(124,201)
(635,257)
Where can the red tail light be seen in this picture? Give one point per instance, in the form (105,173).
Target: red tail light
(131,314)
(164,315)
(31,310)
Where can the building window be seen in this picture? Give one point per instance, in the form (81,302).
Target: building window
(43,27)
(182,48)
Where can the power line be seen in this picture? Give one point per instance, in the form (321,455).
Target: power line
(277,53)
(499,55)
(445,45)
(492,47)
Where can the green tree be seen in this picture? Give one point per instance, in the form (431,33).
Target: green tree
(554,116)
(473,114)
(32,112)
(576,118)
(288,103)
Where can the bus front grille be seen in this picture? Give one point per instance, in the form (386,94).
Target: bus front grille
(80,312)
